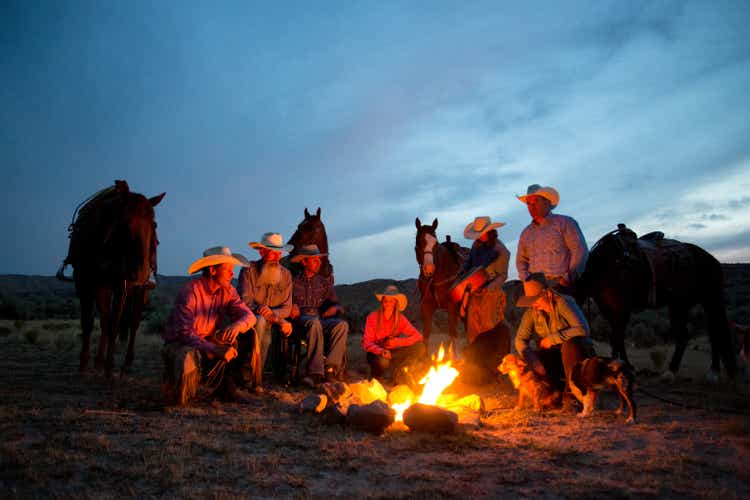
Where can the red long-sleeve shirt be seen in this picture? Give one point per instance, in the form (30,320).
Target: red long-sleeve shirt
(378,338)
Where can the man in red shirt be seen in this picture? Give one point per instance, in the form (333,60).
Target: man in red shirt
(390,340)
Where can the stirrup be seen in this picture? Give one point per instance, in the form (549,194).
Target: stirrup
(60,275)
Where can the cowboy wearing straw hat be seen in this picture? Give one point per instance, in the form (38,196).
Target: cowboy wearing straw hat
(314,310)
(266,287)
(390,340)
(552,244)
(557,325)
(484,306)
(194,337)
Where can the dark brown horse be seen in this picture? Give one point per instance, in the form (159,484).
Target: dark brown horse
(112,250)
(439,265)
(311,230)
(618,277)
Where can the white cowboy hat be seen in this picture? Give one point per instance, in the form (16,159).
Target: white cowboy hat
(392,291)
(217,255)
(480,226)
(307,251)
(272,241)
(544,191)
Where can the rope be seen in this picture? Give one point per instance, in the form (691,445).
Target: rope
(730,411)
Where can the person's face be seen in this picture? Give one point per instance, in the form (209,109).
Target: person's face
(311,264)
(269,255)
(222,274)
(484,237)
(543,303)
(389,305)
(538,206)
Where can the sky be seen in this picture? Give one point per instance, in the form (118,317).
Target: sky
(378,112)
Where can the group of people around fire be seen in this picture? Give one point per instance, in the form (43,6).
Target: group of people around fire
(219,338)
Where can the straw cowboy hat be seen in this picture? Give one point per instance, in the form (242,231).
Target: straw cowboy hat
(307,251)
(392,291)
(217,255)
(533,288)
(544,191)
(480,226)
(272,241)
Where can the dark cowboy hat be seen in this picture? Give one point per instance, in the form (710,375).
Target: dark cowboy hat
(305,251)
(533,288)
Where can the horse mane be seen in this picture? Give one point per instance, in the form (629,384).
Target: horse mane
(458,252)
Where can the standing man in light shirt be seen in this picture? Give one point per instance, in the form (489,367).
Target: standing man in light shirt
(552,244)
(266,287)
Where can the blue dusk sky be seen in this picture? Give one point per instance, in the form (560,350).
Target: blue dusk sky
(378,112)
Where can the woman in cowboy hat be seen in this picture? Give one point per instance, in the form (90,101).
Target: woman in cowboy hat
(552,244)
(484,307)
(193,336)
(390,340)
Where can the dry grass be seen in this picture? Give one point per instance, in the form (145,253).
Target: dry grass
(66,435)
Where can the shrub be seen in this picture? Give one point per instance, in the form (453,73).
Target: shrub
(5,331)
(658,357)
(643,335)
(55,327)
(31,336)
(19,324)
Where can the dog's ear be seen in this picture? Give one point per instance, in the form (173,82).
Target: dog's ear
(520,362)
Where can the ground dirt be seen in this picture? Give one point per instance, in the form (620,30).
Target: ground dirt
(82,436)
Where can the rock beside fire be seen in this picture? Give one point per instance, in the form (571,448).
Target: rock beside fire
(334,415)
(373,417)
(314,403)
(429,418)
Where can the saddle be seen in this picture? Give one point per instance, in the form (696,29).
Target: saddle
(668,260)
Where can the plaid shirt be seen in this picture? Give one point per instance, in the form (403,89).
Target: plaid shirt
(313,295)
(555,247)
(565,322)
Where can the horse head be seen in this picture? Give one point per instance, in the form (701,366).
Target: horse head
(132,240)
(425,246)
(312,231)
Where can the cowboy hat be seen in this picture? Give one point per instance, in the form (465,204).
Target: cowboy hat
(271,241)
(547,192)
(217,255)
(392,291)
(480,226)
(307,251)
(533,288)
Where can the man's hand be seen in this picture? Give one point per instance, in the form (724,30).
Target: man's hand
(331,311)
(266,312)
(229,353)
(386,354)
(229,335)
(545,343)
(286,327)
(294,314)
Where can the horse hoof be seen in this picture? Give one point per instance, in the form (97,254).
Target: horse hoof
(630,420)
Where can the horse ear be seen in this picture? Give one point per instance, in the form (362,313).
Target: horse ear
(418,223)
(122,187)
(307,214)
(318,212)
(155,200)
(434,223)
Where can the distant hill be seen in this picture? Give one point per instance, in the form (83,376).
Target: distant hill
(42,297)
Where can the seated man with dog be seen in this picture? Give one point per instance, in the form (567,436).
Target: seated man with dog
(315,311)
(195,340)
(557,325)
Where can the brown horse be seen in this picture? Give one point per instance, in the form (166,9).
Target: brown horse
(311,230)
(439,265)
(112,250)
(620,274)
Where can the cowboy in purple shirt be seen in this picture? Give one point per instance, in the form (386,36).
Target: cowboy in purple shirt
(314,309)
(205,328)
(552,244)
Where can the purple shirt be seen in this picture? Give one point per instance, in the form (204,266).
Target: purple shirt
(555,247)
(197,312)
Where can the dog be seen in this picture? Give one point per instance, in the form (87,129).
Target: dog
(597,373)
(528,383)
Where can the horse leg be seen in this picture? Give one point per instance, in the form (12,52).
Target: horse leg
(618,322)
(722,347)
(119,295)
(678,316)
(137,304)
(86,299)
(104,305)
(427,312)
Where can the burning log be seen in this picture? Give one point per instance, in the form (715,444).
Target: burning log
(334,415)
(314,403)
(430,418)
(336,391)
(367,392)
(373,417)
